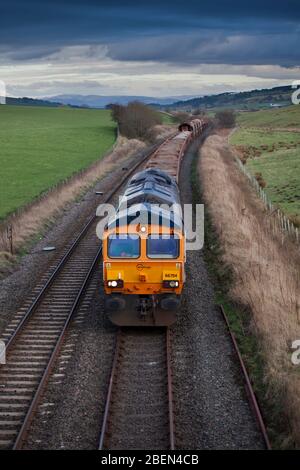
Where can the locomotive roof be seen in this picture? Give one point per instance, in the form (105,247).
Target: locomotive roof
(152,186)
(147,214)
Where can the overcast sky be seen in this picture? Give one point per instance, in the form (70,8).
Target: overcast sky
(154,48)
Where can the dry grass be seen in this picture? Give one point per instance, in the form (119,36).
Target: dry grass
(161,131)
(32,218)
(265,271)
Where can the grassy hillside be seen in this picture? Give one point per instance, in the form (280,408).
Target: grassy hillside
(30,102)
(266,140)
(281,171)
(41,146)
(269,142)
(282,117)
(244,100)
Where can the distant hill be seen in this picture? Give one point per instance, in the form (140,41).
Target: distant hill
(245,100)
(97,101)
(30,102)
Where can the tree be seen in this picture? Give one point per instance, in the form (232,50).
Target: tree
(117,111)
(135,119)
(198,112)
(182,116)
(226,118)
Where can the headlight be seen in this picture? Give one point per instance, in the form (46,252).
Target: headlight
(172,284)
(115,283)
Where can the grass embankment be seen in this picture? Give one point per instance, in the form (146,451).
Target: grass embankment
(41,147)
(269,143)
(280,117)
(258,280)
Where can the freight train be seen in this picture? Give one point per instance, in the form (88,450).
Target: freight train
(144,243)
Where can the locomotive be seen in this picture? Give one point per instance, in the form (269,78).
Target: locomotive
(144,242)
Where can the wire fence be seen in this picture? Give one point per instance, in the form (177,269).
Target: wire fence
(278,222)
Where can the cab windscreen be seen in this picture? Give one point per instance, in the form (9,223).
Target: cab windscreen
(162,246)
(124,246)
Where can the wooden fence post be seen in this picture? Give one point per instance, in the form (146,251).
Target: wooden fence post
(9,231)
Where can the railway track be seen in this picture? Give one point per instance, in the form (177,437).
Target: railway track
(138,412)
(35,337)
(139,408)
(249,389)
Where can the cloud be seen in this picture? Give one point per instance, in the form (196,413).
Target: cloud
(46,88)
(212,48)
(85,70)
(72,22)
(158,47)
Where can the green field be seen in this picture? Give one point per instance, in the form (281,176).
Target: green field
(280,117)
(42,146)
(281,171)
(167,119)
(261,138)
(272,149)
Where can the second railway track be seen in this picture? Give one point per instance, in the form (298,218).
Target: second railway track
(139,406)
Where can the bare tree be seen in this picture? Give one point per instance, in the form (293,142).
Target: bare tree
(135,119)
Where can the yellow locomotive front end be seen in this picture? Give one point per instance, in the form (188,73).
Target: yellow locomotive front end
(144,252)
(143,274)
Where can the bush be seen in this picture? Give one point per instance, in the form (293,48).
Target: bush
(295,219)
(226,118)
(198,112)
(182,116)
(259,178)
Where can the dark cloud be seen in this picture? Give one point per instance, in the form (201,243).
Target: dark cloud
(196,31)
(213,48)
(31,53)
